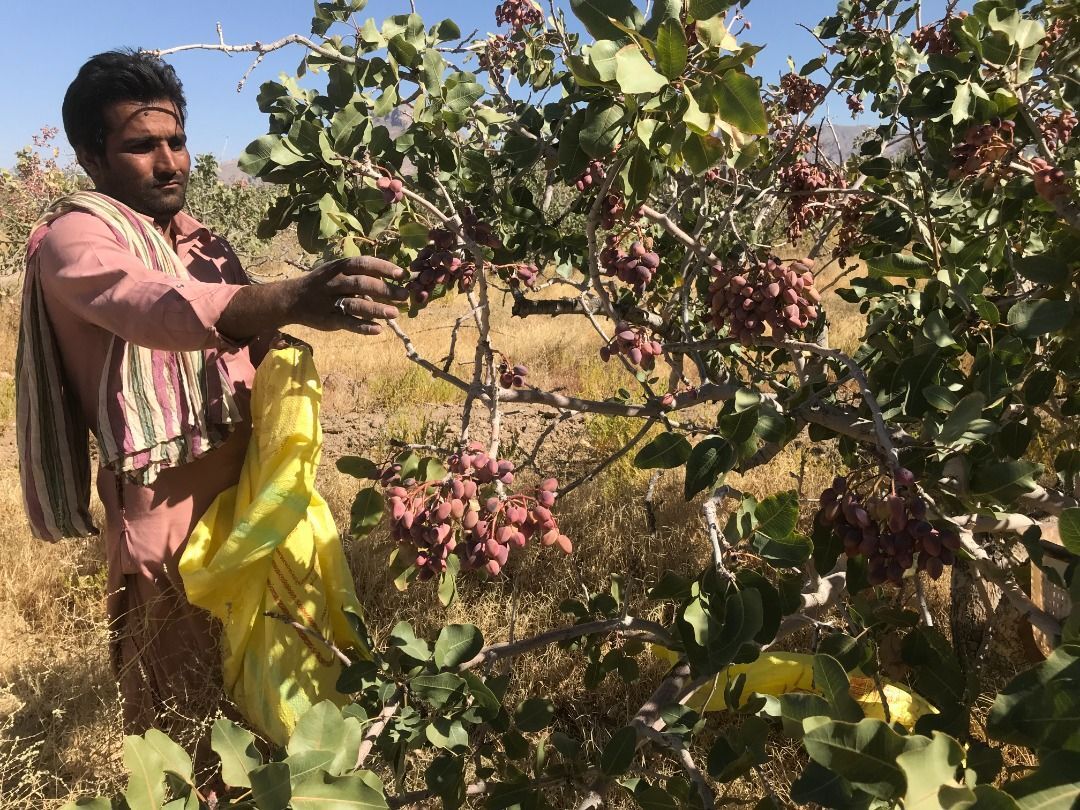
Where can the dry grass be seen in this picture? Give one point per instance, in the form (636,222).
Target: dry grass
(59,719)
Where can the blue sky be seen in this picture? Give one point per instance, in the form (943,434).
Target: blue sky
(41,60)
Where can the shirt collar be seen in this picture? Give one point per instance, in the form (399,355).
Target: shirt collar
(183,229)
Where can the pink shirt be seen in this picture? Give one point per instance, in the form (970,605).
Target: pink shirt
(94,288)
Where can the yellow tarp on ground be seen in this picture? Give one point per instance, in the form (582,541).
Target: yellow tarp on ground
(269,545)
(780,673)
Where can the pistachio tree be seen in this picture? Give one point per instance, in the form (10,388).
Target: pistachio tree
(632,161)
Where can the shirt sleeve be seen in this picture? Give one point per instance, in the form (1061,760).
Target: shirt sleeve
(88,272)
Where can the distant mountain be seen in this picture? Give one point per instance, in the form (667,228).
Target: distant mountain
(229,171)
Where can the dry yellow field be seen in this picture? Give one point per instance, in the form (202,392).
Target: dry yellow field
(59,716)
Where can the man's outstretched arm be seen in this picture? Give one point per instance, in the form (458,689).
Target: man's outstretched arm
(311,300)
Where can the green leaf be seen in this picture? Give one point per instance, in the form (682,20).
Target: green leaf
(771,602)
(1043,268)
(434,66)
(484,699)
(903,265)
(146,781)
(778,514)
(665,452)
(514,796)
(271,787)
(832,681)
(634,74)
(174,759)
(572,158)
(743,618)
(702,151)
(1040,317)
(700,122)
(739,426)
(739,750)
(323,728)
(713,33)
(456,644)
(1021,32)
(403,637)
(936,328)
(438,689)
(596,15)
(710,458)
(321,791)
(1069,527)
(964,423)
(307,763)
(928,769)
(1054,786)
(463,96)
(980,797)
(448,734)
(366,512)
(937,673)
(864,753)
(662,10)
(534,714)
(356,466)
(1004,481)
(649,797)
(255,159)
(738,102)
(1039,386)
(820,786)
(602,58)
(785,552)
(448,581)
(1040,708)
(879,167)
(961,106)
(414,235)
(796,707)
(445,779)
(704,9)
(445,30)
(671,50)
(619,752)
(602,131)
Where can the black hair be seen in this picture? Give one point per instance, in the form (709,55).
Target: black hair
(111,77)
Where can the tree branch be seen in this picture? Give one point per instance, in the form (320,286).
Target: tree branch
(627,625)
(377,727)
(412,354)
(1007,582)
(313,633)
(261,48)
(584,305)
(665,222)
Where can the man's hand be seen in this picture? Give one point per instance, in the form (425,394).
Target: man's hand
(348,294)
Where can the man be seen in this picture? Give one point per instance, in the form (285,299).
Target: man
(141,326)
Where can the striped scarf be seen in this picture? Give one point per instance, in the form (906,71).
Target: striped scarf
(156,409)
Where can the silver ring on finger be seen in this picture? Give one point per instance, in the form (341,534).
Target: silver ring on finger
(340,305)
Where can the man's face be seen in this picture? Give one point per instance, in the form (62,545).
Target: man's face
(146,162)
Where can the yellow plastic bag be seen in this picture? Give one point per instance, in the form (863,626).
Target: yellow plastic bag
(269,545)
(780,673)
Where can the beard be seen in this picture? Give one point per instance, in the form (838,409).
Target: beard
(159,203)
